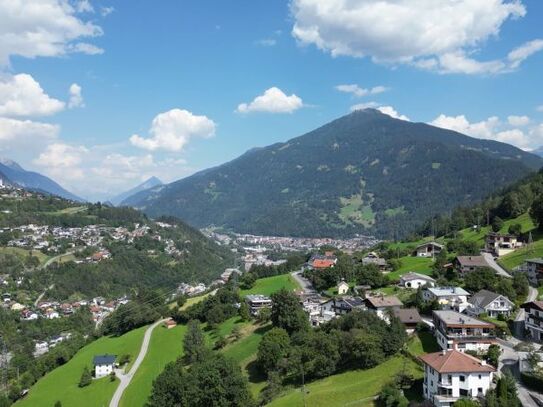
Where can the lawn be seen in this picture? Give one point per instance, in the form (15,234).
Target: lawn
(540,292)
(62,383)
(421,343)
(420,265)
(166,346)
(519,256)
(269,285)
(23,253)
(353,388)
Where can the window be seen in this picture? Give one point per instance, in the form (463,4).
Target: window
(480,377)
(462,378)
(479,390)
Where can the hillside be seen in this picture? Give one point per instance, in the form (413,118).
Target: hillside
(149,183)
(362,173)
(33,180)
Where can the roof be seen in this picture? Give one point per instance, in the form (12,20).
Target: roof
(472,261)
(104,360)
(380,302)
(533,304)
(453,318)
(415,276)
(323,263)
(407,315)
(484,297)
(430,244)
(447,291)
(453,361)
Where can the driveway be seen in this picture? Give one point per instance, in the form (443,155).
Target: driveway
(492,263)
(127,378)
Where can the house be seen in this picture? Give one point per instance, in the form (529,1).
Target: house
(343,305)
(342,287)
(533,320)
(451,375)
(467,264)
(321,262)
(317,313)
(382,305)
(256,302)
(416,280)
(457,331)
(170,323)
(493,304)
(410,317)
(447,297)
(373,258)
(428,249)
(103,365)
(501,244)
(534,270)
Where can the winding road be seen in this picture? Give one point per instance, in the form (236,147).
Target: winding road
(127,378)
(492,263)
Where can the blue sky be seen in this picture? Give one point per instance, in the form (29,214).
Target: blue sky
(108,93)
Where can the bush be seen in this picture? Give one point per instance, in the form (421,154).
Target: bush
(124,359)
(86,377)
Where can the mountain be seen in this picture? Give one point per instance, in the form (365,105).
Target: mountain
(33,180)
(538,151)
(362,173)
(150,183)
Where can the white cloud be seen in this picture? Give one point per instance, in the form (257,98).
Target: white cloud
(85,48)
(274,100)
(76,99)
(84,6)
(389,110)
(439,35)
(362,106)
(357,91)
(34,28)
(106,11)
(173,129)
(16,131)
(518,121)
(21,95)
(61,156)
(483,129)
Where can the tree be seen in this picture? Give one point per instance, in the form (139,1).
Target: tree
(466,403)
(493,355)
(194,343)
(520,284)
(247,280)
(86,377)
(272,348)
(533,359)
(515,229)
(536,212)
(244,313)
(264,315)
(286,312)
(396,337)
(485,278)
(170,387)
(391,396)
(371,275)
(181,300)
(504,286)
(58,403)
(497,224)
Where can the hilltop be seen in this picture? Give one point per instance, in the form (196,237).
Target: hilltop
(362,173)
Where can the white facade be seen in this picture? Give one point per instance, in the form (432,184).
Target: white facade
(448,297)
(415,280)
(102,370)
(533,320)
(342,288)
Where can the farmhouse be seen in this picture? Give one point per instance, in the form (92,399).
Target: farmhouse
(461,332)
(466,264)
(493,304)
(103,365)
(428,249)
(416,280)
(450,375)
(533,320)
(501,244)
(447,297)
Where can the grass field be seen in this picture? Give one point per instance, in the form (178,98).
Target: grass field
(62,383)
(69,211)
(23,253)
(269,285)
(420,265)
(423,342)
(166,346)
(519,256)
(353,388)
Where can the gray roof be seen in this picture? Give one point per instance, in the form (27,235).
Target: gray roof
(104,360)
(472,261)
(415,276)
(407,315)
(430,244)
(484,298)
(456,318)
(447,291)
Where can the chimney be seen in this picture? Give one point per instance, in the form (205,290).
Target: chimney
(483,362)
(443,352)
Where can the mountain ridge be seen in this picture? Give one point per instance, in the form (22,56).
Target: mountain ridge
(148,183)
(361,173)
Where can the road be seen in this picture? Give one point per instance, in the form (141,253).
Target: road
(532,296)
(492,263)
(304,283)
(42,294)
(127,378)
(53,259)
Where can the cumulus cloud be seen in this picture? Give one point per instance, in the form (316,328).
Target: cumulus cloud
(273,100)
(43,28)
(366,105)
(411,31)
(84,6)
(22,95)
(76,99)
(357,91)
(519,131)
(106,11)
(13,131)
(173,129)
(392,112)
(61,156)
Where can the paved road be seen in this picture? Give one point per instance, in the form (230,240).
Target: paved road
(492,263)
(42,294)
(127,378)
(532,296)
(304,283)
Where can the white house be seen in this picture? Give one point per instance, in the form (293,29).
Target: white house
(451,375)
(461,332)
(447,297)
(501,244)
(342,287)
(493,304)
(428,249)
(416,280)
(533,320)
(103,365)
(382,305)
(256,302)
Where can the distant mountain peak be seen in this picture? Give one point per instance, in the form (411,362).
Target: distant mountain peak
(11,164)
(149,183)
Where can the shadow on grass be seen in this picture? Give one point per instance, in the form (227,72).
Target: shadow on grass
(255,373)
(429,343)
(414,393)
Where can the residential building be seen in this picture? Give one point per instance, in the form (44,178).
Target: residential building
(534,269)
(501,244)
(533,320)
(321,262)
(342,287)
(410,317)
(256,302)
(382,305)
(490,303)
(447,297)
(317,313)
(457,331)
(429,249)
(467,264)
(373,258)
(416,280)
(103,365)
(344,305)
(451,375)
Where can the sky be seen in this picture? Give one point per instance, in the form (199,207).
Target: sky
(102,94)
